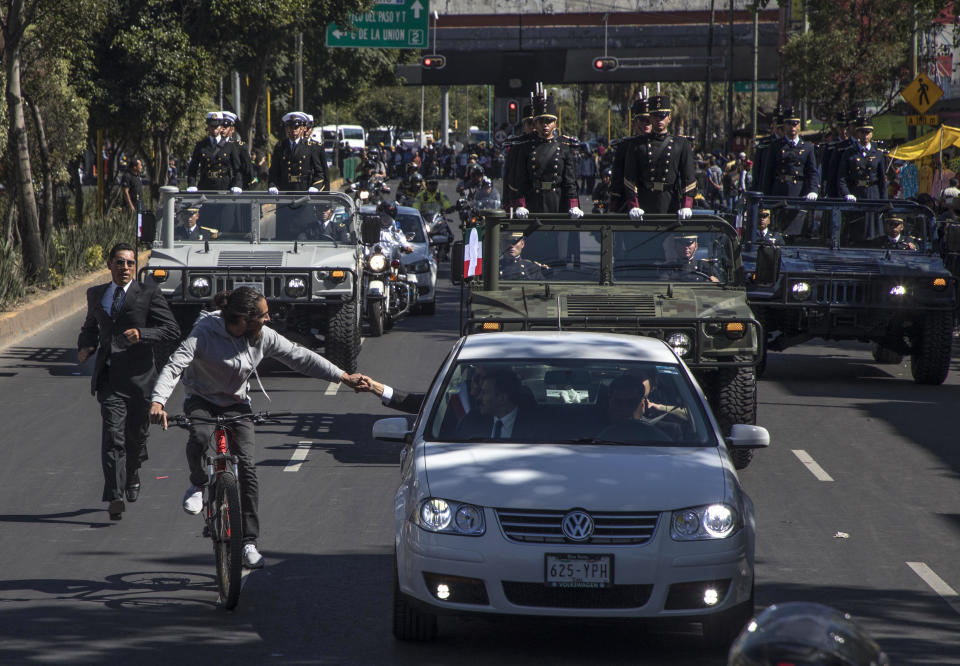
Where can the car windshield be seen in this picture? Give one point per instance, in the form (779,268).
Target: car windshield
(675,255)
(802,226)
(300,219)
(569,401)
(412,228)
(349,133)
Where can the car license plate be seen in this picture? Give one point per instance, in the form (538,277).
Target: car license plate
(579,570)
(253,285)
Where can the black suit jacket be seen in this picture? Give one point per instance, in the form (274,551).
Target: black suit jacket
(295,170)
(475,424)
(132,370)
(406,402)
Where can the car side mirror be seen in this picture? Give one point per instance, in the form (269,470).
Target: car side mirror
(952,232)
(148,227)
(456,262)
(744,436)
(768,264)
(370,229)
(395,429)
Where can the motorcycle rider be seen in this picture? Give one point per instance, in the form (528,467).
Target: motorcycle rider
(471,181)
(373,156)
(390,235)
(410,186)
(432,200)
(601,193)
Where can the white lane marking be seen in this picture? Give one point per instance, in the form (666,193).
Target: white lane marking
(812,465)
(332,388)
(936,583)
(299,455)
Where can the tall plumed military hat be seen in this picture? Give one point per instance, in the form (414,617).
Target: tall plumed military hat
(527,112)
(640,107)
(543,106)
(841,118)
(658,103)
(778,114)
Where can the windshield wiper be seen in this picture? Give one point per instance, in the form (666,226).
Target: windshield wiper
(625,267)
(593,440)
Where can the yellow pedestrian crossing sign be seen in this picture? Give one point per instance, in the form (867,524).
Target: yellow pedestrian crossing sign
(922,93)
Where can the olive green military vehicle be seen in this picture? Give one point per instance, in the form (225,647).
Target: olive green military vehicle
(680,282)
(301,251)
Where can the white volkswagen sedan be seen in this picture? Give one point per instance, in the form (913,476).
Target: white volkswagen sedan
(571,475)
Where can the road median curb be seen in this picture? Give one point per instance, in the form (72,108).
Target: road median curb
(51,307)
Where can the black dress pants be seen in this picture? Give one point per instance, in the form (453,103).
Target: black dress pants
(123,440)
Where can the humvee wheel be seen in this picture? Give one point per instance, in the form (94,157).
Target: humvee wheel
(885,356)
(734,399)
(930,361)
(343,337)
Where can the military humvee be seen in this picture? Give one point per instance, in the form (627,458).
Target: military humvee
(300,250)
(680,282)
(832,275)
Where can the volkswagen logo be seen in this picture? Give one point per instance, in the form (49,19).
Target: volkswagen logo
(577,525)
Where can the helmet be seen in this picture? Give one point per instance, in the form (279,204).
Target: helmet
(607,172)
(411,167)
(475,171)
(416,179)
(373,152)
(805,633)
(388,208)
(486,183)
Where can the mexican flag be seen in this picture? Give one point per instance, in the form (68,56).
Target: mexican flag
(473,254)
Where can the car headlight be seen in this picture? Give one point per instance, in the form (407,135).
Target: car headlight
(295,287)
(898,290)
(800,291)
(681,343)
(439,515)
(200,287)
(714,521)
(377,263)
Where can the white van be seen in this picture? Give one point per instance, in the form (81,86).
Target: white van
(352,135)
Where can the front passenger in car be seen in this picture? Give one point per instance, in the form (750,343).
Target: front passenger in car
(505,410)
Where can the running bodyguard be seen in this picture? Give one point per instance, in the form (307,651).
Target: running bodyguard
(216,362)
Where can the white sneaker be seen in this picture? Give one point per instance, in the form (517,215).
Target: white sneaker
(252,559)
(193,500)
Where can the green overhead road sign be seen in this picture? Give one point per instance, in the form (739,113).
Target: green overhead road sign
(391,24)
(747,86)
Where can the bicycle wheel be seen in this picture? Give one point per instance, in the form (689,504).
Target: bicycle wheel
(227,538)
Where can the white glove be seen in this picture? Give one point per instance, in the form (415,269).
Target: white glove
(850,197)
(521,212)
(236,190)
(576,213)
(192,188)
(312,189)
(636,213)
(570,396)
(684,213)
(812,196)
(273,190)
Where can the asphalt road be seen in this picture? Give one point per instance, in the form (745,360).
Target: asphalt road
(880,539)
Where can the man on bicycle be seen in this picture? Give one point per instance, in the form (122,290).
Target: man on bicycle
(216,361)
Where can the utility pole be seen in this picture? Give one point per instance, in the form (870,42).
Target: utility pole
(445,116)
(706,96)
(806,29)
(298,70)
(756,64)
(729,144)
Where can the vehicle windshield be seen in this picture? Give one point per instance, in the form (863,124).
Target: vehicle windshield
(349,133)
(569,401)
(638,256)
(801,226)
(299,219)
(412,228)
(487,200)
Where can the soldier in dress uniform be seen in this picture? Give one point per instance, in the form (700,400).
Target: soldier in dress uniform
(831,153)
(791,170)
(641,122)
(545,179)
(861,171)
(230,119)
(214,164)
(510,146)
(660,172)
(764,146)
(512,265)
(316,145)
(296,166)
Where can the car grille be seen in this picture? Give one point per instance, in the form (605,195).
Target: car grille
(545,596)
(847,266)
(272,285)
(842,292)
(609,306)
(229,258)
(610,528)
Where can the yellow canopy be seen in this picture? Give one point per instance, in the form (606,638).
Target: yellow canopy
(928,144)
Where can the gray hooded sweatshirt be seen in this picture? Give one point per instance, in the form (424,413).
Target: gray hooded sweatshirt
(217,366)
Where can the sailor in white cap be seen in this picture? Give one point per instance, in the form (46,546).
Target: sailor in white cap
(230,121)
(296,166)
(214,164)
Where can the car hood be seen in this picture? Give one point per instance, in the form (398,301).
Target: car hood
(859,262)
(594,477)
(242,255)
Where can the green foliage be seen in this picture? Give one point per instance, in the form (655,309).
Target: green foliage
(79,249)
(12,284)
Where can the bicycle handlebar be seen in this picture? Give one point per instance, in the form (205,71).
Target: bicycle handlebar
(259,418)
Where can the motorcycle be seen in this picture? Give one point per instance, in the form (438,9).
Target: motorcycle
(389,291)
(370,192)
(441,236)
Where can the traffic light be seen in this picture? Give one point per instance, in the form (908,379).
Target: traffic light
(433,62)
(513,112)
(605,64)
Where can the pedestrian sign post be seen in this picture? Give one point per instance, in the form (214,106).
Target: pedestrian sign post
(391,24)
(922,93)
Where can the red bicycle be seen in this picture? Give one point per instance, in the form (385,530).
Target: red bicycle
(221,500)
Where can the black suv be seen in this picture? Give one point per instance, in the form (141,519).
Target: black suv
(837,270)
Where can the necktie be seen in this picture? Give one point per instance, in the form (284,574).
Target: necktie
(117,302)
(497,428)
